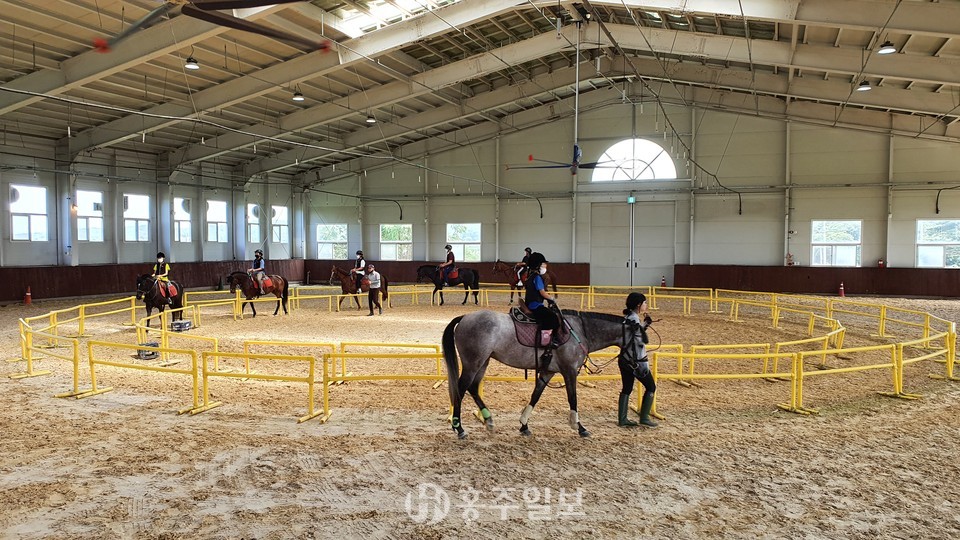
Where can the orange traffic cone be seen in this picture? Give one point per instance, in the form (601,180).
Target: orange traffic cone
(841,289)
(663,281)
(27,298)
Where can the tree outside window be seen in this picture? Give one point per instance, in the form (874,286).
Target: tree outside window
(836,243)
(332,241)
(464,238)
(396,242)
(938,243)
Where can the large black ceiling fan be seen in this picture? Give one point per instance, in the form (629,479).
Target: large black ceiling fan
(206,10)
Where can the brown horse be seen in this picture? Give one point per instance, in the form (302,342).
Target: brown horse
(278,286)
(507,270)
(348,284)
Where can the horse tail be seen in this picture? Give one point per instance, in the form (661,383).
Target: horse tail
(450,356)
(553,281)
(384,289)
(286,292)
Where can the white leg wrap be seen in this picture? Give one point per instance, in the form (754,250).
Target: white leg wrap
(525,415)
(574,419)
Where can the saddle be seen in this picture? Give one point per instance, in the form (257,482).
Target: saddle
(267,283)
(168,289)
(454,274)
(365,285)
(527,332)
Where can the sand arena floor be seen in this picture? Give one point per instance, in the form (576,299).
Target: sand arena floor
(725,463)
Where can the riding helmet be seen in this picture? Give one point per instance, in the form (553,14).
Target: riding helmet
(536,259)
(161,255)
(360,252)
(528,250)
(447,247)
(635,299)
(258,252)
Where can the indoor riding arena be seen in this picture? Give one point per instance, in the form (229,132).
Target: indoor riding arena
(203,203)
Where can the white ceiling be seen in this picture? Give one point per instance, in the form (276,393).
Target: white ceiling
(437,73)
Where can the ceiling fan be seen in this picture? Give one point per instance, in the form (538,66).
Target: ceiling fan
(207,10)
(573,165)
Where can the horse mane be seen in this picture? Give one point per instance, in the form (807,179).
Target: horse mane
(593,315)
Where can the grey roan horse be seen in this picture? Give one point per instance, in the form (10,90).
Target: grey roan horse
(482,335)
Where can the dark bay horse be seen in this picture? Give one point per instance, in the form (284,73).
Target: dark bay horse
(278,286)
(507,270)
(348,284)
(469,277)
(482,335)
(148,289)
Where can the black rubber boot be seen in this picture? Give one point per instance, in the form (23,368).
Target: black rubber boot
(622,410)
(645,407)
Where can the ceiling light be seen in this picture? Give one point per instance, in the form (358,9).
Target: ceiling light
(887,48)
(371,119)
(297,96)
(191,63)
(864,86)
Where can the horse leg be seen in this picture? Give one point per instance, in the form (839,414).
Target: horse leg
(463,384)
(542,380)
(474,390)
(570,380)
(253,308)
(440,289)
(278,308)
(466,293)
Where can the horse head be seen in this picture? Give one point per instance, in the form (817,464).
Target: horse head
(333,274)
(142,287)
(234,280)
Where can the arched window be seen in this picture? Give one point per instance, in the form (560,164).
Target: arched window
(635,159)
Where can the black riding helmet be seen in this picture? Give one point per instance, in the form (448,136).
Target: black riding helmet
(536,259)
(161,255)
(528,250)
(258,252)
(360,252)
(448,246)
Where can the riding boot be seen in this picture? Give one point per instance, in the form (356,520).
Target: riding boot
(381,309)
(645,405)
(370,314)
(622,409)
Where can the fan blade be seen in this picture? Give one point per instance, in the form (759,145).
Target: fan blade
(104,45)
(597,165)
(564,166)
(238,4)
(230,21)
(550,161)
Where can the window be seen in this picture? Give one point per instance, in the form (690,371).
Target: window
(253,223)
(836,243)
(464,238)
(28,209)
(938,243)
(89,216)
(280,225)
(217,221)
(332,241)
(396,242)
(182,226)
(635,159)
(136,218)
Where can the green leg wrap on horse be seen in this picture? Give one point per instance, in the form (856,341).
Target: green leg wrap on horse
(485,413)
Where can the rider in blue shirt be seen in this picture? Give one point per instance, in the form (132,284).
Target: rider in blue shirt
(537,299)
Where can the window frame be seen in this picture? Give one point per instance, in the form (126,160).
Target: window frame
(279,232)
(390,249)
(610,168)
(944,246)
(219,228)
(820,249)
(140,224)
(178,224)
(336,244)
(33,219)
(253,227)
(461,246)
(84,218)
